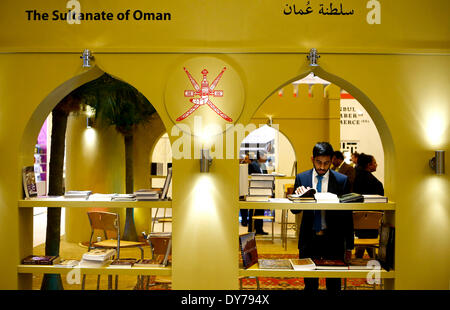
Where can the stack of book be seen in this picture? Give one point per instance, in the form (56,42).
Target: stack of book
(375,198)
(40,260)
(261,187)
(77,194)
(146,195)
(97,257)
(123,197)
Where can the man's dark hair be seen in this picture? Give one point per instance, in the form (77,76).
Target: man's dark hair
(323,149)
(338,155)
(260,154)
(364,160)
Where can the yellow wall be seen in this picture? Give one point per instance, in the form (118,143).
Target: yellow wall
(304,119)
(397,70)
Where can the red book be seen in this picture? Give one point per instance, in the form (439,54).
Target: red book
(330,264)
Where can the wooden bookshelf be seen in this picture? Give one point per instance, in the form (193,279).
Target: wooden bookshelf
(82,203)
(144,271)
(254,271)
(284,203)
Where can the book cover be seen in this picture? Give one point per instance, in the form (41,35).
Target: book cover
(247,244)
(123,263)
(362,264)
(257,198)
(308,194)
(165,189)
(330,264)
(29,182)
(40,260)
(157,262)
(274,264)
(262,177)
(302,264)
(99,254)
(261,184)
(67,263)
(260,191)
(351,197)
(387,246)
(375,198)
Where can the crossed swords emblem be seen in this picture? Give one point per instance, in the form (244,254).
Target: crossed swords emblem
(203,92)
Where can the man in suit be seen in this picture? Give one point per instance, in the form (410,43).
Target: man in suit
(341,166)
(324,234)
(257,166)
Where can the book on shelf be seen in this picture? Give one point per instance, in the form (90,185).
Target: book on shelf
(257,198)
(260,191)
(85,263)
(157,169)
(123,197)
(375,199)
(261,184)
(306,197)
(165,188)
(77,194)
(29,182)
(157,262)
(243,180)
(67,263)
(326,198)
(99,254)
(123,263)
(262,177)
(146,195)
(274,264)
(351,197)
(100,197)
(247,246)
(276,174)
(302,264)
(363,264)
(330,264)
(386,246)
(40,260)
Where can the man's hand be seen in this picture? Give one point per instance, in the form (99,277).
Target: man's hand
(301,190)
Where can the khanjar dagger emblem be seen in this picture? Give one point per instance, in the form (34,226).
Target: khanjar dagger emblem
(203,92)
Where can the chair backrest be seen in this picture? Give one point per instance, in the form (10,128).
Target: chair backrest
(106,221)
(160,244)
(367,219)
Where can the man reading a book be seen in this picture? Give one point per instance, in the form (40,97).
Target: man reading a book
(324,234)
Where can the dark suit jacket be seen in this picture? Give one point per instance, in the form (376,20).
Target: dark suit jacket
(339,223)
(254,167)
(349,171)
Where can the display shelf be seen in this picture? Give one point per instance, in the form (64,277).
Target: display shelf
(60,202)
(145,271)
(284,203)
(254,271)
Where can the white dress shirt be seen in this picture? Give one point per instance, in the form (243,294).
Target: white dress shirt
(324,189)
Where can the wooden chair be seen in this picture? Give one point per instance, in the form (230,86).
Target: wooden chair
(367,220)
(271,218)
(109,223)
(161,247)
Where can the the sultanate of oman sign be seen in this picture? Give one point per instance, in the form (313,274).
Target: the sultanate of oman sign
(206,90)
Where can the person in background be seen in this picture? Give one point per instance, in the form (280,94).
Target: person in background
(244,212)
(257,166)
(354,159)
(366,183)
(324,234)
(341,166)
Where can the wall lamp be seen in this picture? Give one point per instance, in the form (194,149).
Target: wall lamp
(87,57)
(205,161)
(437,163)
